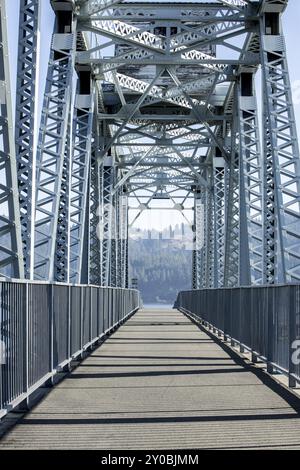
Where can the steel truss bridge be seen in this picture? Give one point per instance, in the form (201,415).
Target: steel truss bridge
(146,102)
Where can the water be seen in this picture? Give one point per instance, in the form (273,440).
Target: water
(160,306)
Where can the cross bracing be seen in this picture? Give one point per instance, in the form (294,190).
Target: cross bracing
(148,102)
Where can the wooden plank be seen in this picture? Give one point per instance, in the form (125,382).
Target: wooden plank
(159,383)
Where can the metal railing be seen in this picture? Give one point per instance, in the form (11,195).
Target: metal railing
(45,326)
(264,320)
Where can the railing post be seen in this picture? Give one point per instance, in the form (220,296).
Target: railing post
(270,313)
(232,342)
(242,349)
(91,313)
(253,355)
(292,335)
(26,348)
(2,354)
(226,303)
(69,329)
(50,382)
(81,320)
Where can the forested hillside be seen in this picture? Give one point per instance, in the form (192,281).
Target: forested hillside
(161,266)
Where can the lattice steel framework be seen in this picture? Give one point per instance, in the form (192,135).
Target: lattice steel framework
(53,157)
(11,253)
(145,102)
(26,121)
(220,176)
(80,179)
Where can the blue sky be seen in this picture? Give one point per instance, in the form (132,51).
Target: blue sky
(291,28)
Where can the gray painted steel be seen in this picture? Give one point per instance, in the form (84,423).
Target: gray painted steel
(159,383)
(26,122)
(46,326)
(157,114)
(11,252)
(263,320)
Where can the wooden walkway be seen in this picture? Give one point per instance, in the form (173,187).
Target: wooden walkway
(161,383)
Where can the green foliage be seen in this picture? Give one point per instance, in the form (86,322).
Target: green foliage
(162,267)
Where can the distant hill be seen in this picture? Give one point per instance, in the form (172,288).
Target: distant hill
(161,265)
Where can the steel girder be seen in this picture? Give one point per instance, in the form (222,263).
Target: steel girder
(95,257)
(114,238)
(11,253)
(53,161)
(80,179)
(251,203)
(282,165)
(203,251)
(163,95)
(198,239)
(62,239)
(107,219)
(232,225)
(209,237)
(26,120)
(119,238)
(220,176)
(124,241)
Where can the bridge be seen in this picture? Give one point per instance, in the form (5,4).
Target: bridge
(149,105)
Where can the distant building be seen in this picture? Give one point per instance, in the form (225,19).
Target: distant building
(134,283)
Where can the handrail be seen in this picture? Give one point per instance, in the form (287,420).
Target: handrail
(264,320)
(44,326)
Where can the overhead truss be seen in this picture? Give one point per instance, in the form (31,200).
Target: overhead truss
(144,102)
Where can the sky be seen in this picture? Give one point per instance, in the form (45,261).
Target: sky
(152,219)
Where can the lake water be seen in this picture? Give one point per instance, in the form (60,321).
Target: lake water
(160,306)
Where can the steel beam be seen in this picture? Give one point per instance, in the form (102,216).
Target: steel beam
(220,175)
(27,94)
(11,253)
(80,177)
(107,218)
(232,224)
(282,169)
(53,156)
(250,167)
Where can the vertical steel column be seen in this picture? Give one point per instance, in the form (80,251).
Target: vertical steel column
(94,234)
(26,121)
(62,247)
(209,233)
(113,241)
(80,173)
(282,262)
(269,213)
(124,239)
(96,221)
(250,165)
(119,240)
(232,223)
(198,240)
(204,238)
(201,257)
(11,253)
(194,262)
(108,184)
(219,178)
(52,211)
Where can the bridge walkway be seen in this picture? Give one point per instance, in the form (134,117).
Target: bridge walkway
(160,382)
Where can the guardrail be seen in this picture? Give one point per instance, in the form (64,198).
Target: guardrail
(264,320)
(45,326)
